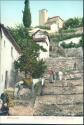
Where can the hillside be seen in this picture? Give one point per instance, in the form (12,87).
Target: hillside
(66,34)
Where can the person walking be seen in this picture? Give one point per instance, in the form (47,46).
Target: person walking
(51,76)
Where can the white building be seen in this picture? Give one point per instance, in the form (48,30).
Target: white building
(54,27)
(9,52)
(54,23)
(43,40)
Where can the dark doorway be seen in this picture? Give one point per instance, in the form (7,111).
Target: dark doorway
(6,79)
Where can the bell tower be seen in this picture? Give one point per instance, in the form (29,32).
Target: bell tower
(43,17)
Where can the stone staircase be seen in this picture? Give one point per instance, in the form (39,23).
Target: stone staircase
(67,98)
(62,98)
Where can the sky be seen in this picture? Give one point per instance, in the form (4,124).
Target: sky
(11,10)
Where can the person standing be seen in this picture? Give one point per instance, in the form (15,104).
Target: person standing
(75,66)
(60,75)
(51,76)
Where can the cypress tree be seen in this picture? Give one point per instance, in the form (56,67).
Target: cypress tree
(26,15)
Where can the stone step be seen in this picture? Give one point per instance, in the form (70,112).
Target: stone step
(63,90)
(59,99)
(64,83)
(59,105)
(58,110)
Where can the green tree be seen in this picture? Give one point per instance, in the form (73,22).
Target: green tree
(81,20)
(20,34)
(29,63)
(27,15)
(72,23)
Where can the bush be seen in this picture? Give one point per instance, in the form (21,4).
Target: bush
(39,69)
(43,27)
(70,45)
(61,37)
(67,30)
(73,23)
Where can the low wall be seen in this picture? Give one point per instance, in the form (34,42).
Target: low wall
(62,63)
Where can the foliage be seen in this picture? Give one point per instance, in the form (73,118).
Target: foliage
(20,34)
(43,27)
(67,30)
(73,23)
(28,61)
(39,69)
(29,51)
(27,15)
(62,36)
(71,45)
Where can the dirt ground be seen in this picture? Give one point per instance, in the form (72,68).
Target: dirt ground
(21,111)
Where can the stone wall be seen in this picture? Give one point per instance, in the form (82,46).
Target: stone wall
(61,63)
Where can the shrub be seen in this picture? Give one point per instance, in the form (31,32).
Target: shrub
(61,37)
(70,45)
(67,30)
(73,23)
(43,27)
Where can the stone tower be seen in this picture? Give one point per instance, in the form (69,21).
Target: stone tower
(43,17)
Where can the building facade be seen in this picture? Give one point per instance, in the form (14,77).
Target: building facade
(9,52)
(54,23)
(43,40)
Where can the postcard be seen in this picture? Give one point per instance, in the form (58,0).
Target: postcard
(41,61)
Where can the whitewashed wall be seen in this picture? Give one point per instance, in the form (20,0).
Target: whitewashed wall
(7,60)
(44,55)
(54,27)
(60,23)
(45,45)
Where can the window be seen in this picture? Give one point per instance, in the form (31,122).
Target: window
(4,43)
(12,52)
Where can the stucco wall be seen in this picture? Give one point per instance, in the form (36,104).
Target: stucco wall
(54,27)
(44,55)
(7,60)
(45,45)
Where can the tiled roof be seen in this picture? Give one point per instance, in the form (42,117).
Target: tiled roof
(55,17)
(40,39)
